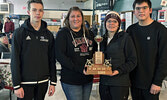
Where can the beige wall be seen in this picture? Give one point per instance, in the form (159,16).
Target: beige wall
(58,14)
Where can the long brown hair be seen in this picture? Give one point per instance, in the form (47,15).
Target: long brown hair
(66,21)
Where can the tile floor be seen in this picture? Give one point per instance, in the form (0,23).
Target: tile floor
(59,95)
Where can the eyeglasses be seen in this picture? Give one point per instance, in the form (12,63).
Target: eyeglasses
(139,8)
(112,21)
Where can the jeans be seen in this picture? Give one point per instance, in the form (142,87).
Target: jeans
(77,92)
(8,35)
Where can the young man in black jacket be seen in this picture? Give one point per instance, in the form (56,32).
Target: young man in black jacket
(150,41)
(32,60)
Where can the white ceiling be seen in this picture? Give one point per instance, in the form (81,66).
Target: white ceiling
(66,4)
(51,4)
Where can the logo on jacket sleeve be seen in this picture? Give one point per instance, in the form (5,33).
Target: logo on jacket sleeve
(28,38)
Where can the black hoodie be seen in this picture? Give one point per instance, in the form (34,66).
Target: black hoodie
(72,51)
(32,57)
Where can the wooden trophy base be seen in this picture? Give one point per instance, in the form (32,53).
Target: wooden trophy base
(98,69)
(98,66)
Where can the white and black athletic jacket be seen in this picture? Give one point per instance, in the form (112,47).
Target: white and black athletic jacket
(32,59)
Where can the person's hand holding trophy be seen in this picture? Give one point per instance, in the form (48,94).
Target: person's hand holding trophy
(98,65)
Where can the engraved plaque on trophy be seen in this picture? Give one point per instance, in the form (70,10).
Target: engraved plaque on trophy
(98,56)
(98,65)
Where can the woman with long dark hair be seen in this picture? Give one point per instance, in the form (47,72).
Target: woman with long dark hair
(74,45)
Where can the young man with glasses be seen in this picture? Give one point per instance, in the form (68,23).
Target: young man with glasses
(32,60)
(150,39)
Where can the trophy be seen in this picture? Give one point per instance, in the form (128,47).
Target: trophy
(98,65)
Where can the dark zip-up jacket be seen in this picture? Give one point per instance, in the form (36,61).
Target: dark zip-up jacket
(151,46)
(72,54)
(122,53)
(32,55)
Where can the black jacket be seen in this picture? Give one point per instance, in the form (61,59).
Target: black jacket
(1,27)
(72,54)
(3,48)
(32,54)
(151,46)
(122,52)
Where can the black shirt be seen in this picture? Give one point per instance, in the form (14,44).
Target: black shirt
(151,46)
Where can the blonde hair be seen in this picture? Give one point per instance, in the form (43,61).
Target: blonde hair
(1,39)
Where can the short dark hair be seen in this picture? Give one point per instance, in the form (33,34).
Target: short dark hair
(34,1)
(141,1)
(8,18)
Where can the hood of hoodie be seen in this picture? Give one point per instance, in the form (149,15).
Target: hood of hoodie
(29,27)
(76,34)
(79,34)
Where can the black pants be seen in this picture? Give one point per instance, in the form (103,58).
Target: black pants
(34,91)
(143,94)
(113,92)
